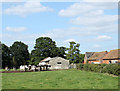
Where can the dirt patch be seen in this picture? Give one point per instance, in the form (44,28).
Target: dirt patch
(57,69)
(14,71)
(29,71)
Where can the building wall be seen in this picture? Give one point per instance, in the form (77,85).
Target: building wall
(90,62)
(85,59)
(105,61)
(54,63)
(108,61)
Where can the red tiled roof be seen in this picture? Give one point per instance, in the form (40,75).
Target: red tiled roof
(98,55)
(113,54)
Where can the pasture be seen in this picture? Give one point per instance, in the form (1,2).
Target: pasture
(61,79)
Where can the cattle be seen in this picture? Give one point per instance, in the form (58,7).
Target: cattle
(23,67)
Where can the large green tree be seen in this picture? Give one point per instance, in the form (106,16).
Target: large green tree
(6,61)
(73,52)
(19,53)
(61,52)
(82,58)
(45,47)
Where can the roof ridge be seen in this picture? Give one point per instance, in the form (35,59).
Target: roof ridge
(101,51)
(114,49)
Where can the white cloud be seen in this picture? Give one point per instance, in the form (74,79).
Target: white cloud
(15,29)
(86,9)
(82,31)
(12,1)
(69,40)
(61,0)
(95,21)
(91,18)
(27,8)
(104,37)
(101,0)
(70,32)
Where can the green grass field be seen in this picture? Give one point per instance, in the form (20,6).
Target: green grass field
(62,79)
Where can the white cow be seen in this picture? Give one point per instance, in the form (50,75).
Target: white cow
(23,67)
(33,67)
(43,63)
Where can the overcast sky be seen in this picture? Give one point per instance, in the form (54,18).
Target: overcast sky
(92,24)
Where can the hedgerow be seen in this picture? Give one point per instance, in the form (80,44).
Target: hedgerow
(102,68)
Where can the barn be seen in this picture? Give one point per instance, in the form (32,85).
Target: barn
(56,63)
(59,63)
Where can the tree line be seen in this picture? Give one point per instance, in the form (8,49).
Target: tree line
(17,54)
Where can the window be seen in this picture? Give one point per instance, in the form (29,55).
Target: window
(110,62)
(59,63)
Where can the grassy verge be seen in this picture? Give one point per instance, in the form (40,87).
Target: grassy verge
(10,70)
(2,69)
(64,79)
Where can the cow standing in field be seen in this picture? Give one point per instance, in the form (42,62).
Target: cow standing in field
(23,67)
(33,67)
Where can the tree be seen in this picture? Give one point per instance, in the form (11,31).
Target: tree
(73,52)
(6,61)
(34,59)
(82,58)
(61,52)
(44,47)
(19,53)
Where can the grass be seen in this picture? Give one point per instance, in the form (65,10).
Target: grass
(10,70)
(2,69)
(62,79)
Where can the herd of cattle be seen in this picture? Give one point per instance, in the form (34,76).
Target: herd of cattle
(29,67)
(40,67)
(34,68)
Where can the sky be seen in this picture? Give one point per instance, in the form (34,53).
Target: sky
(94,25)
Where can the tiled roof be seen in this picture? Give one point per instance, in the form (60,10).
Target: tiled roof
(89,54)
(113,54)
(98,55)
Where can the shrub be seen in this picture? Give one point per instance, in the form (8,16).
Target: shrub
(79,66)
(102,68)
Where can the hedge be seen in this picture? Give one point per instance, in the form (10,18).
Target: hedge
(102,68)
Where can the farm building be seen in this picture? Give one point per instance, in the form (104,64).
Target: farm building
(112,57)
(87,56)
(56,63)
(59,63)
(46,60)
(96,58)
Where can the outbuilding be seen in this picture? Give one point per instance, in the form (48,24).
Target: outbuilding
(59,63)
(55,63)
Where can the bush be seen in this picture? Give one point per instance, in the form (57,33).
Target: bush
(79,66)
(102,68)
(86,67)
